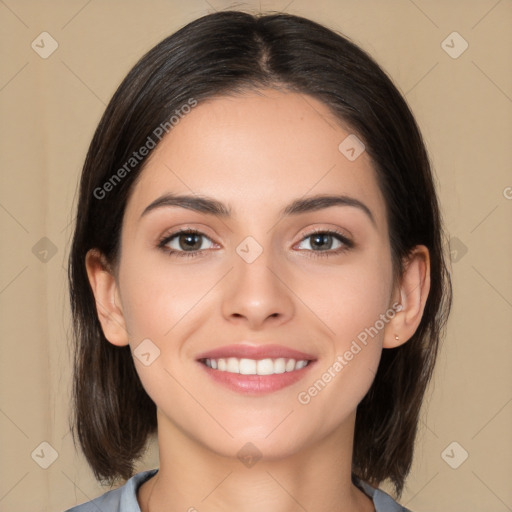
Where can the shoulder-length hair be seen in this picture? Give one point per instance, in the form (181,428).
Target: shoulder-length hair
(228,53)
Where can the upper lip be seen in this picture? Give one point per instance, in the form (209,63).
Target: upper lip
(257,352)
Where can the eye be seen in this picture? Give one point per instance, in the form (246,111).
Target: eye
(329,242)
(186,242)
(190,243)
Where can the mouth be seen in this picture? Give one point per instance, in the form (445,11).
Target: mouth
(246,366)
(255,370)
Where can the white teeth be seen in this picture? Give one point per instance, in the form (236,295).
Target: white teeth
(265,367)
(233,365)
(256,367)
(248,366)
(290,365)
(280,365)
(300,364)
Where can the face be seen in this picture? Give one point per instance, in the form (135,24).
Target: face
(284,262)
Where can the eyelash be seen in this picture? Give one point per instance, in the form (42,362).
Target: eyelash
(347,244)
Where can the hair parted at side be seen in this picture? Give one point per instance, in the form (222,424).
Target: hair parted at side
(227,53)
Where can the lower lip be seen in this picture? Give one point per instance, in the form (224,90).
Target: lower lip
(256,384)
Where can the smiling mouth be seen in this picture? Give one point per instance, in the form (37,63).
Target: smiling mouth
(244,366)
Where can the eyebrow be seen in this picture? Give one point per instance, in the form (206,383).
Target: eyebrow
(213,207)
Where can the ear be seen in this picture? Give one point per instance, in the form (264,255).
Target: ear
(412,294)
(108,303)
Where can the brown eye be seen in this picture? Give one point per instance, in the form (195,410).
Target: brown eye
(190,241)
(323,241)
(183,242)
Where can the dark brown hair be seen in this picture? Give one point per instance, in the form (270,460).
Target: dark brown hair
(227,53)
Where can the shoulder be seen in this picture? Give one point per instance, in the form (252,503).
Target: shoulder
(123,499)
(382,501)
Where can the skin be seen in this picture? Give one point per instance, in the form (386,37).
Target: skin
(256,152)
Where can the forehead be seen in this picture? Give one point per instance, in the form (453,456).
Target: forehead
(258,151)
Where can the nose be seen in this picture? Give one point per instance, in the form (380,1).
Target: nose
(256,294)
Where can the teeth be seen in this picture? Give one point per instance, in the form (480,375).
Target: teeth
(280,365)
(290,365)
(232,365)
(247,366)
(255,367)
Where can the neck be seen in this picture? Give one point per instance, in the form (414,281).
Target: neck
(193,478)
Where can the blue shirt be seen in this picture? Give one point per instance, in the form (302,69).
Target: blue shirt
(124,499)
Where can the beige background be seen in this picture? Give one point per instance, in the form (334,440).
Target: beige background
(49,109)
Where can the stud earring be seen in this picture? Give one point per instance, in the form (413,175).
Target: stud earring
(396,337)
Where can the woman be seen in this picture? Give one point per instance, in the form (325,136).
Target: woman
(256,276)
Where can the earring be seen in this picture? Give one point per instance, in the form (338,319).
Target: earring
(396,337)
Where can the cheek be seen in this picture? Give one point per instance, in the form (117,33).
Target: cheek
(350,299)
(351,306)
(353,302)
(157,296)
